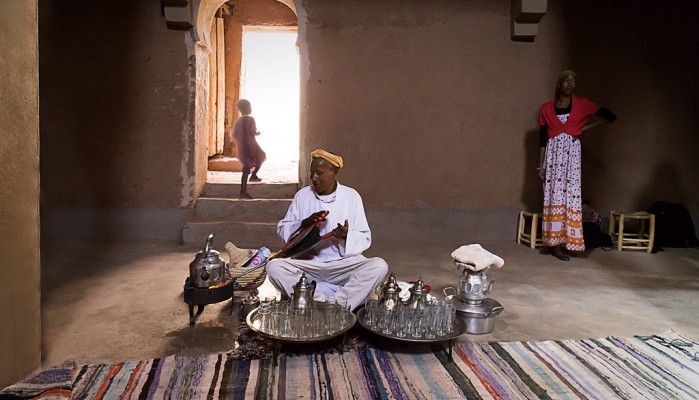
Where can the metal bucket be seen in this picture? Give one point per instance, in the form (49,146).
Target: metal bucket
(479,318)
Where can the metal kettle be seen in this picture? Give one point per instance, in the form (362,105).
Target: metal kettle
(390,293)
(207,269)
(474,286)
(418,295)
(302,297)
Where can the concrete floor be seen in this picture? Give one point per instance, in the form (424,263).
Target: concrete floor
(119,301)
(107,302)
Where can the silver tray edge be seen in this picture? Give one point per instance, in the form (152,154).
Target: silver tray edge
(249,320)
(459,325)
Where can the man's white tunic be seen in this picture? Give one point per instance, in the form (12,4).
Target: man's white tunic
(343,204)
(341,271)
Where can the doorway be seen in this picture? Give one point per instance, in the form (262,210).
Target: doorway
(269,79)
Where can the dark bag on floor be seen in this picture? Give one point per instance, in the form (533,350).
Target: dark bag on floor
(594,237)
(673,225)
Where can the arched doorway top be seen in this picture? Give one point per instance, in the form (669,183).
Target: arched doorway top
(207,11)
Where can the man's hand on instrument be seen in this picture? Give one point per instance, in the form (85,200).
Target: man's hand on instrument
(315,217)
(341,231)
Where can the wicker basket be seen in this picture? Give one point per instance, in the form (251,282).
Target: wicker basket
(237,259)
(244,284)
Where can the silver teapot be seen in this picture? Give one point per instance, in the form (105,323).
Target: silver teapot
(302,297)
(474,286)
(389,295)
(207,269)
(418,295)
(250,303)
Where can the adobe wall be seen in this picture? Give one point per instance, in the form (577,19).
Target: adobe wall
(20,336)
(117,121)
(435,109)
(432,104)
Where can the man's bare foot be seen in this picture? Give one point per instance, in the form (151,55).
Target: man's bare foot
(255,179)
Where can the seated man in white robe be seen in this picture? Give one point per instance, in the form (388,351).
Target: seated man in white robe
(337,265)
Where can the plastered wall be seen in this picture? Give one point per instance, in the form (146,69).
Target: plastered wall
(117,121)
(20,336)
(432,105)
(435,109)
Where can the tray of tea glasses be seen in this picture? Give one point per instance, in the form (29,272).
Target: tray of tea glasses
(321,321)
(411,328)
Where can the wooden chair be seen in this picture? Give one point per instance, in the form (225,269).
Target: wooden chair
(531,236)
(637,240)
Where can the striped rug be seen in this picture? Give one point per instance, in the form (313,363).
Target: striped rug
(643,367)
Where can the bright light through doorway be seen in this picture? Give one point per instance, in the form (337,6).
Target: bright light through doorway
(270,80)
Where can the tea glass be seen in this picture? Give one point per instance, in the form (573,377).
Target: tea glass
(264,315)
(449,315)
(419,320)
(371,310)
(332,317)
(389,324)
(278,319)
(318,322)
(402,319)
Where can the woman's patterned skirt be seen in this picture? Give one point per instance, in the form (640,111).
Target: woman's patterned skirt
(562,216)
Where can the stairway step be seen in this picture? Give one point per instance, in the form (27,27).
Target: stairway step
(255,210)
(243,235)
(257,190)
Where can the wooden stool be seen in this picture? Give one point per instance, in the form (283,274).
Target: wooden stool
(639,240)
(532,237)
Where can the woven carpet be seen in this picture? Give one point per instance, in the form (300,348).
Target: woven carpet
(642,367)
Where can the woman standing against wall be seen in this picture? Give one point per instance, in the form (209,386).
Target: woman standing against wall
(562,121)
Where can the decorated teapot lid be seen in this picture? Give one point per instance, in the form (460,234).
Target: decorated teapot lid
(392,285)
(252,297)
(419,287)
(303,283)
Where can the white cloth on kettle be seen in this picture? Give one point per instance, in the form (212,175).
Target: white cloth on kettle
(476,258)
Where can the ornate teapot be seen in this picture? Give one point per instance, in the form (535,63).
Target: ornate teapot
(474,286)
(418,295)
(251,302)
(207,269)
(389,295)
(302,297)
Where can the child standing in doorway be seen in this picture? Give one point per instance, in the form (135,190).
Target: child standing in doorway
(249,152)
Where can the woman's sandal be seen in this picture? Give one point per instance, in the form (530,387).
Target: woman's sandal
(575,254)
(558,253)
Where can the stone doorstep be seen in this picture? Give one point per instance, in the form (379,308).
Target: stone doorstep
(246,223)
(255,210)
(225,164)
(258,190)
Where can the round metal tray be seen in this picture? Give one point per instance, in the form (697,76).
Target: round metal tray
(458,329)
(254,324)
